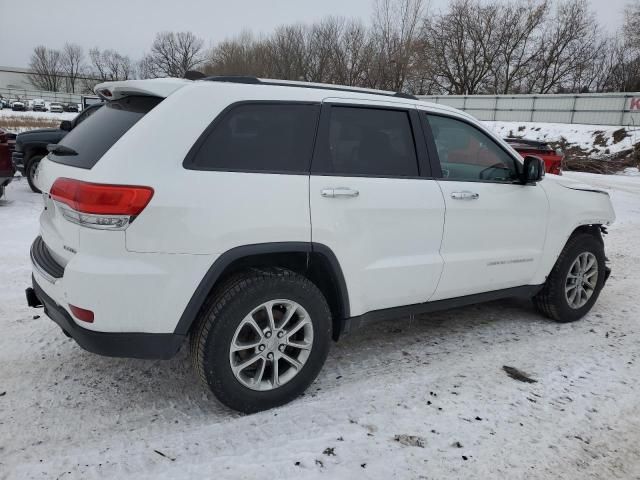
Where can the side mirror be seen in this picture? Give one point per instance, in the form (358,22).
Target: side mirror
(66,125)
(533,170)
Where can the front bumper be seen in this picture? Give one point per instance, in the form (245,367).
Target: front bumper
(5,179)
(131,345)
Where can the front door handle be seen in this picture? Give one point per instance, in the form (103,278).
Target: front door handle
(333,192)
(465,195)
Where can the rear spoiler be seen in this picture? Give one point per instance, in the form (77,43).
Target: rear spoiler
(157,87)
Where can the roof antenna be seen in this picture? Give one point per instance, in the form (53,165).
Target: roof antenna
(193,75)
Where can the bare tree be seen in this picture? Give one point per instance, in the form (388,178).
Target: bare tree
(631,23)
(45,66)
(519,28)
(568,43)
(238,56)
(109,65)
(462,45)
(395,33)
(353,55)
(72,65)
(172,54)
(287,53)
(473,46)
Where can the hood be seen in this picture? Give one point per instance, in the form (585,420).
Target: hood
(39,130)
(576,185)
(40,136)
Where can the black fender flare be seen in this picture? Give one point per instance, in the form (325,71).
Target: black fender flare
(32,149)
(223,261)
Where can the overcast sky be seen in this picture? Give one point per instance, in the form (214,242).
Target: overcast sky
(129,26)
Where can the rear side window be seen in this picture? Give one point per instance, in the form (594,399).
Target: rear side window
(368,141)
(101,130)
(260,137)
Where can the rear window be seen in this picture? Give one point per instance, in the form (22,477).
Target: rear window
(98,133)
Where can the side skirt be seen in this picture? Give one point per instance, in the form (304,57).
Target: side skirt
(354,323)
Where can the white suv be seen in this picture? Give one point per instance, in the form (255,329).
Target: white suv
(264,218)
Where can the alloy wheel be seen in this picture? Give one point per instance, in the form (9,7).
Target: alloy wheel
(581,280)
(271,345)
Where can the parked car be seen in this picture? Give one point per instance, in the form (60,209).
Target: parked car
(31,146)
(71,107)
(38,105)
(56,108)
(7,169)
(18,106)
(284,214)
(552,158)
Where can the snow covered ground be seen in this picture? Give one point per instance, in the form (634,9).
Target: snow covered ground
(69,414)
(18,122)
(7,112)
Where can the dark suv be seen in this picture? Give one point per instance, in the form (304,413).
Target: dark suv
(31,146)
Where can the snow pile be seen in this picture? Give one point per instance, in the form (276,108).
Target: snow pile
(598,140)
(407,399)
(631,172)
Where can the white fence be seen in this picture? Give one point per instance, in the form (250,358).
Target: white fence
(26,94)
(588,108)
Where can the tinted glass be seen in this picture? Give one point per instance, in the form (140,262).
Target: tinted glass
(466,153)
(86,113)
(102,129)
(368,141)
(261,137)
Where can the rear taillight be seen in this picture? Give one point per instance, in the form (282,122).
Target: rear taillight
(81,313)
(100,206)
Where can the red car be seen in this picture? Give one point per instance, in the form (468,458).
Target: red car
(552,158)
(7,170)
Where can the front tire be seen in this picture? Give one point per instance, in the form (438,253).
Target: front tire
(574,284)
(261,339)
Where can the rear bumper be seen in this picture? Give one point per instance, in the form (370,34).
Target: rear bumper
(130,345)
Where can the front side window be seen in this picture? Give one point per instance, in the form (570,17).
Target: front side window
(261,137)
(368,141)
(467,154)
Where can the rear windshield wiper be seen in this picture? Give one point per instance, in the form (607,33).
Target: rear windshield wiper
(60,150)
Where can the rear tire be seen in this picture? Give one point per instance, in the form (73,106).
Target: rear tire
(225,338)
(31,168)
(568,294)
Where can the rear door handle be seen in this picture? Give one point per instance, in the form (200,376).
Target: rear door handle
(465,195)
(333,192)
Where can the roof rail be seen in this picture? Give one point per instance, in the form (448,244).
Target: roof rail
(319,86)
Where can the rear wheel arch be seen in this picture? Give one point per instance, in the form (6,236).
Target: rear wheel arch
(315,261)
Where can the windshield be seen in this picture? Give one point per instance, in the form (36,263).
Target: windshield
(92,138)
